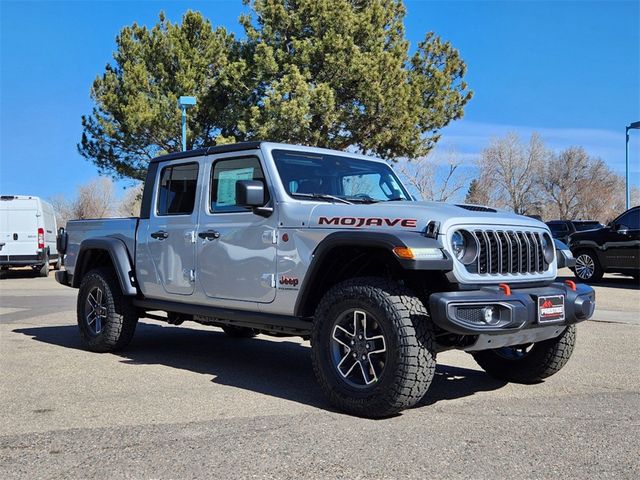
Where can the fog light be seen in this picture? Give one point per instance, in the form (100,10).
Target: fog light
(491,315)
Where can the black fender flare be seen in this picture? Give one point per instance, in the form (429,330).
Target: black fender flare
(384,240)
(120,259)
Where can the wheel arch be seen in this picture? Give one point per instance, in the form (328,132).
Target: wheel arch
(106,252)
(344,255)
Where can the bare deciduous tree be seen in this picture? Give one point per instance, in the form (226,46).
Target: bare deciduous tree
(510,173)
(95,199)
(602,194)
(62,209)
(436,179)
(581,187)
(129,206)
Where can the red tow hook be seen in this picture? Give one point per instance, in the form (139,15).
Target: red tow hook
(505,288)
(571,284)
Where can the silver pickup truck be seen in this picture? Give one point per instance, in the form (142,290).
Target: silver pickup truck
(330,246)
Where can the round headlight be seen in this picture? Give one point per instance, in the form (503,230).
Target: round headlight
(464,246)
(548,248)
(458,245)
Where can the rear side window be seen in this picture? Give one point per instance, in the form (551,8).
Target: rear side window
(558,228)
(177,191)
(224,176)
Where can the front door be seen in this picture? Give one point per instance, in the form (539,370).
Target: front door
(622,247)
(170,236)
(236,248)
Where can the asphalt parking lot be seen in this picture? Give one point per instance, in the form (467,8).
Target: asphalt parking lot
(188,402)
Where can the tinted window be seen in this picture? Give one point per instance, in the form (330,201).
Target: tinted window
(582,226)
(224,176)
(631,220)
(558,227)
(177,192)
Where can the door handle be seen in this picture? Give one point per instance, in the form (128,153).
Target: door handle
(209,235)
(160,235)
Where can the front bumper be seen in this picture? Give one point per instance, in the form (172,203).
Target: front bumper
(516,313)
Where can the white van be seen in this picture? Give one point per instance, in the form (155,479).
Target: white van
(27,234)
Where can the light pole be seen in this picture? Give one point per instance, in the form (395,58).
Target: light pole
(184,103)
(633,125)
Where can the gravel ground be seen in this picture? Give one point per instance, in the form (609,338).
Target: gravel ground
(187,402)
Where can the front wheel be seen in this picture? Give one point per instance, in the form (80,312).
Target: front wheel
(372,347)
(529,363)
(106,318)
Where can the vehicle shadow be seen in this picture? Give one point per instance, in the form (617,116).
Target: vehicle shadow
(613,280)
(19,273)
(277,368)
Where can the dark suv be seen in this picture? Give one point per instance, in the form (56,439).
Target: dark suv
(614,248)
(561,229)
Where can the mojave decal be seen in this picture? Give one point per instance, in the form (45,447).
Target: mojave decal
(369,222)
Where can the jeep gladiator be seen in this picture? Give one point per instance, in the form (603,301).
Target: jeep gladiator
(280,239)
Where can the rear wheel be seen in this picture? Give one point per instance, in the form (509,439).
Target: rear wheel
(43,270)
(372,347)
(58,264)
(587,267)
(530,363)
(106,318)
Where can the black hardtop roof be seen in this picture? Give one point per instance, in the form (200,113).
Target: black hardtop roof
(198,152)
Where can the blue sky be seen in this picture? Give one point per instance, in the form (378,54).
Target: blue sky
(568,70)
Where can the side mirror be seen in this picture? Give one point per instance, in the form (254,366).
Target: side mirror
(62,239)
(249,193)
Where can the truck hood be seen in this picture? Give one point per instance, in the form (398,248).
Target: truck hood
(412,216)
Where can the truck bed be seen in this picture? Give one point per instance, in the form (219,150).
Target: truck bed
(123,229)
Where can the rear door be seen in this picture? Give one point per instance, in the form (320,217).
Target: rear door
(170,232)
(19,227)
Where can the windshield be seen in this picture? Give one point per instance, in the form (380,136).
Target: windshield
(306,174)
(582,226)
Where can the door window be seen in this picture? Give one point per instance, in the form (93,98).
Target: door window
(177,190)
(631,220)
(224,176)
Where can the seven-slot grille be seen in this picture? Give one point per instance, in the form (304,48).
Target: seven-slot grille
(509,251)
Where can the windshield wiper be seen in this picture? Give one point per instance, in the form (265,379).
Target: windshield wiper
(322,196)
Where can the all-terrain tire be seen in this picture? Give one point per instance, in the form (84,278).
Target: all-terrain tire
(239,332)
(588,268)
(410,363)
(120,317)
(544,359)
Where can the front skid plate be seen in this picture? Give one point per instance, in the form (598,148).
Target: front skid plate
(531,335)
